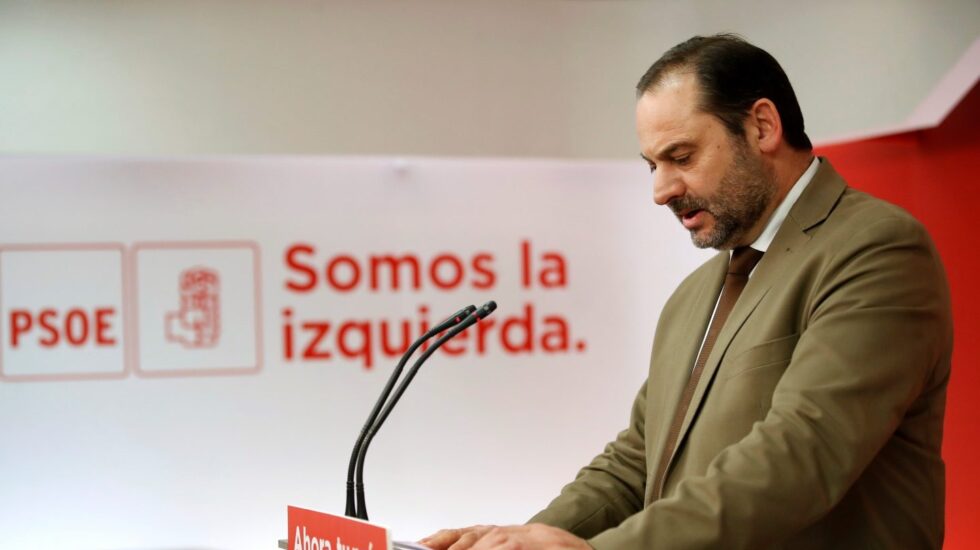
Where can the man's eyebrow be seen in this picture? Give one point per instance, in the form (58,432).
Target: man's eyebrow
(669,150)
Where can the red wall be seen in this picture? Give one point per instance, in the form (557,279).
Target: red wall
(935,175)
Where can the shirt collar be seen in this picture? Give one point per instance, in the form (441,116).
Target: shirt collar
(779,215)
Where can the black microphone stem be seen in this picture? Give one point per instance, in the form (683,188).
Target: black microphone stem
(459,316)
(472,319)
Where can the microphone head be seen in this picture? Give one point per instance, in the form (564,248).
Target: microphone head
(455,318)
(486,309)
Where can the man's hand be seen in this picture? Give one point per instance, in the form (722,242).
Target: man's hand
(516,537)
(465,537)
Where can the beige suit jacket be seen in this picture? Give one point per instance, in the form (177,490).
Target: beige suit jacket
(817,422)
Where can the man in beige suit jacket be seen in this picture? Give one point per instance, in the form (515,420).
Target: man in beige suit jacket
(817,419)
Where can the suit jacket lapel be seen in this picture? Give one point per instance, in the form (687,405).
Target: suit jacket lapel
(686,350)
(813,206)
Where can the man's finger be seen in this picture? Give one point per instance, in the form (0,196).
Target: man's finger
(468,539)
(442,539)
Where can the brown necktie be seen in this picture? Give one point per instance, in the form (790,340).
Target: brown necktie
(742,262)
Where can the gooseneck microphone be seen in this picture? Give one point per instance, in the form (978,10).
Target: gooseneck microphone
(471,319)
(454,320)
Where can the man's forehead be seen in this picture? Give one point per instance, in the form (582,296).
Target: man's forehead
(667,115)
(675,79)
(675,96)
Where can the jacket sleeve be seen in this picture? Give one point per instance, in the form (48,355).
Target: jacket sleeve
(608,490)
(877,328)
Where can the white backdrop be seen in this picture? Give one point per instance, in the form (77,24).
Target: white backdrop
(128,439)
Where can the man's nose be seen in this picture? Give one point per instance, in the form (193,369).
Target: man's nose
(666,186)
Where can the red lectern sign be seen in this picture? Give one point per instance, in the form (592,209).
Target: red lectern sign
(309,530)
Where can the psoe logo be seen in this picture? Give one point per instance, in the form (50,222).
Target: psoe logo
(197,322)
(196,308)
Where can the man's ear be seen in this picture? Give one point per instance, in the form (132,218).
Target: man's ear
(763,125)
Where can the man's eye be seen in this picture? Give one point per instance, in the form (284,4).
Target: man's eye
(653,167)
(683,160)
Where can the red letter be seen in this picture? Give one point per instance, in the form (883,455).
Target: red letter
(482,328)
(520,323)
(287,333)
(424,324)
(526,263)
(556,329)
(457,266)
(320,329)
(45,322)
(364,351)
(394,264)
(74,339)
(20,321)
(395,351)
(305,269)
(555,266)
(481,265)
(354,269)
(102,326)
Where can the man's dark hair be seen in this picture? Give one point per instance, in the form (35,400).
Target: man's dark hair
(732,75)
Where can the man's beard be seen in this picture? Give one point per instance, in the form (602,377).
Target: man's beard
(743,195)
